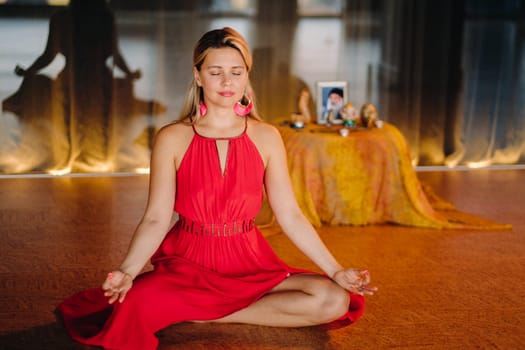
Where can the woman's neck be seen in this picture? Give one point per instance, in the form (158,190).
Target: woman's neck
(213,125)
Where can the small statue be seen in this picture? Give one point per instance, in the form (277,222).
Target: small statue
(304,99)
(349,115)
(303,117)
(368,116)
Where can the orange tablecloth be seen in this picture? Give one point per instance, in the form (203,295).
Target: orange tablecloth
(364,178)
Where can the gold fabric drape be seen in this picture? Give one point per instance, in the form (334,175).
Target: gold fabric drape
(365,178)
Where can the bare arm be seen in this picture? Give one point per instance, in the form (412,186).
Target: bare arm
(294,223)
(156,220)
(120,62)
(287,211)
(155,223)
(118,59)
(49,53)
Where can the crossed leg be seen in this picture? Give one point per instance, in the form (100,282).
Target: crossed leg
(300,300)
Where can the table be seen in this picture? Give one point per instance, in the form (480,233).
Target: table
(364,178)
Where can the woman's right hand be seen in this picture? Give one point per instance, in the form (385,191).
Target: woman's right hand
(117,285)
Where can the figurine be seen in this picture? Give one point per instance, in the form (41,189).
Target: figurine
(304,99)
(303,117)
(349,114)
(368,116)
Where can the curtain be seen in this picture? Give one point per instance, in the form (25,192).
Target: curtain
(86,85)
(493,94)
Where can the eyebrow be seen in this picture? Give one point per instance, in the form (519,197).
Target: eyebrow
(221,67)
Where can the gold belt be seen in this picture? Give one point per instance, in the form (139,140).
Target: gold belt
(217,229)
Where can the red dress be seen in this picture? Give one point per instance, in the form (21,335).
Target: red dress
(213,262)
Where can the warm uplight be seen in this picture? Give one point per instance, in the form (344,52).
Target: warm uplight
(98,168)
(59,172)
(142,170)
(477,165)
(58,2)
(453,160)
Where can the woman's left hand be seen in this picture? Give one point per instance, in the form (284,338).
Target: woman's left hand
(355,280)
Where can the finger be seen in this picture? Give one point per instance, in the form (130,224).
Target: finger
(361,275)
(362,289)
(351,276)
(113,298)
(110,291)
(365,276)
(368,290)
(375,289)
(108,281)
(357,291)
(122,296)
(107,285)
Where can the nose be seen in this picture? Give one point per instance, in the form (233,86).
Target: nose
(227,80)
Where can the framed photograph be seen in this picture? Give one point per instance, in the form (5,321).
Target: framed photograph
(331,97)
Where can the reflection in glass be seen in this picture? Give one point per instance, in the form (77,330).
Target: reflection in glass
(72,122)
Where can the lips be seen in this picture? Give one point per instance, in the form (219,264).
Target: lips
(226,93)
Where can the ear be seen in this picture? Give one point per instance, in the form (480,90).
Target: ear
(197,77)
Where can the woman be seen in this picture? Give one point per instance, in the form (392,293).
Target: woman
(214,264)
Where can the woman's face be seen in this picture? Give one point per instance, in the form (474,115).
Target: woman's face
(223,77)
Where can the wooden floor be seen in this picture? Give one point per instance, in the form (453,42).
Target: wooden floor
(438,289)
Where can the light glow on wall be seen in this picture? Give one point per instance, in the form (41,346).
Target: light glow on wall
(58,2)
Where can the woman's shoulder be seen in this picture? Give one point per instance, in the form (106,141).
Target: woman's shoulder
(176,135)
(262,130)
(266,138)
(176,128)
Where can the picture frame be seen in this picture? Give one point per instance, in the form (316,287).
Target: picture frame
(324,90)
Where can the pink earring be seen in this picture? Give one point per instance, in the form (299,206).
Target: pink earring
(243,107)
(203,109)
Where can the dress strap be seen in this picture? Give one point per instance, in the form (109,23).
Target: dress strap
(245,124)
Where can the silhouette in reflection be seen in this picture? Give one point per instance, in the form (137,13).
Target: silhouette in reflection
(73,121)
(279,93)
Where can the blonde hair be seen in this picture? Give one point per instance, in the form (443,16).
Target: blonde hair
(215,39)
